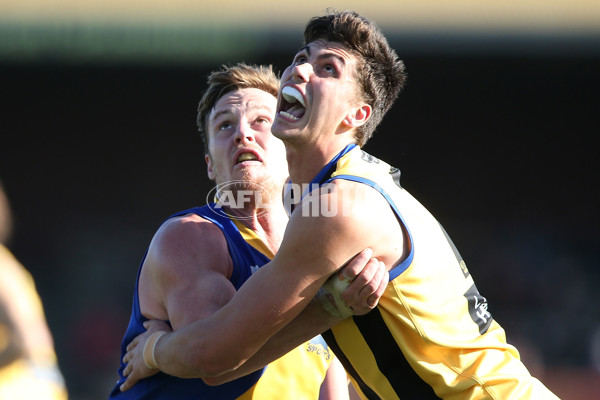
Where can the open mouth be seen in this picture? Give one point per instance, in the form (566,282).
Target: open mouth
(292,103)
(247,156)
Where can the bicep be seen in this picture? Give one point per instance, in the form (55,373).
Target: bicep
(199,295)
(189,265)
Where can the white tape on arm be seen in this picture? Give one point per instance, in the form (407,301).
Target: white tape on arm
(149,347)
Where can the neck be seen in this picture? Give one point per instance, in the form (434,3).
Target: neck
(268,221)
(307,159)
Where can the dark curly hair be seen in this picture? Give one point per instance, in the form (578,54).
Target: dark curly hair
(381,73)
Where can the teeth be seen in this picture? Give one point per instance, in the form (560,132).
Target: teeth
(246,157)
(287,114)
(292,95)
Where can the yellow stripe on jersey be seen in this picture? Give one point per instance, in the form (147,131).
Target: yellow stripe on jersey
(253,239)
(349,337)
(299,373)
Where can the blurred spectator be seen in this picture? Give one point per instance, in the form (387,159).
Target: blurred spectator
(28,365)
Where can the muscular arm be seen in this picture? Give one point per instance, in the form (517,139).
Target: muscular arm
(185,274)
(313,248)
(370,281)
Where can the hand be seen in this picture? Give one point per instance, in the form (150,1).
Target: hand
(369,278)
(136,368)
(356,288)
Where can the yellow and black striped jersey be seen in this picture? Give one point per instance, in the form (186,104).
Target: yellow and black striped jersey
(431,336)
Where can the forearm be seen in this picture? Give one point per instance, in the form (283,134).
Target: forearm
(194,351)
(216,352)
(312,321)
(173,355)
(324,311)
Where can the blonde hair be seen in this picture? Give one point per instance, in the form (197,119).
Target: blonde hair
(228,79)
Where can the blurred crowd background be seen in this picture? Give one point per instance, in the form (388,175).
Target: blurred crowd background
(495,133)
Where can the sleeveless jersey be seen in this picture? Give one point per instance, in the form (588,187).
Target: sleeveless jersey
(431,335)
(298,374)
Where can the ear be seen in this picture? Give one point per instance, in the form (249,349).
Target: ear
(209,168)
(358,116)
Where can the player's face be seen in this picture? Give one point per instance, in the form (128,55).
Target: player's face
(318,91)
(241,145)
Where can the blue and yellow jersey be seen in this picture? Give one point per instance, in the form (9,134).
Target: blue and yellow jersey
(431,336)
(296,375)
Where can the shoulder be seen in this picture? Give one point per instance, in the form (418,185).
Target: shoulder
(185,274)
(187,229)
(333,216)
(344,203)
(187,241)
(344,217)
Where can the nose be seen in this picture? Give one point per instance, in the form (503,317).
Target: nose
(302,71)
(244,133)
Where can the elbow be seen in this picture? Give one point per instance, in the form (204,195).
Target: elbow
(219,376)
(209,366)
(214,380)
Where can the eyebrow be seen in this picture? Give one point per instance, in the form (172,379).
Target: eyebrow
(304,48)
(327,54)
(216,115)
(261,107)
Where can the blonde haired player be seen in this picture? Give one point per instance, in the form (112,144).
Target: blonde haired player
(199,257)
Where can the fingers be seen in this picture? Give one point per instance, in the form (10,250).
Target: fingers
(373,299)
(133,343)
(373,285)
(357,264)
(155,324)
(126,385)
(135,368)
(366,274)
(365,291)
(127,370)
(129,378)
(131,372)
(130,350)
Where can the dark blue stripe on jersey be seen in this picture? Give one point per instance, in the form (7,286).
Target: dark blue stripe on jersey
(390,359)
(327,170)
(400,268)
(332,343)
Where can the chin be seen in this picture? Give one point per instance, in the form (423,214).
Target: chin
(281,129)
(286,135)
(277,133)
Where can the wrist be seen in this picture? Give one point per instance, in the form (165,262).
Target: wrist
(149,349)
